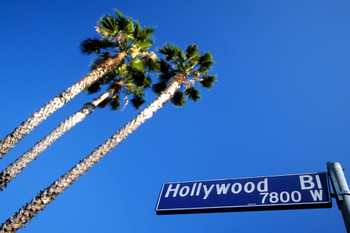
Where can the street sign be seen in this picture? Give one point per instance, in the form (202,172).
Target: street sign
(297,191)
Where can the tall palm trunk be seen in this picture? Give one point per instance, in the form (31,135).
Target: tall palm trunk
(45,197)
(17,166)
(34,120)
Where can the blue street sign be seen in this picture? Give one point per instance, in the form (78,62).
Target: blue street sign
(297,191)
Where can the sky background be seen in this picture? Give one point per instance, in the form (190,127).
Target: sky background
(280,106)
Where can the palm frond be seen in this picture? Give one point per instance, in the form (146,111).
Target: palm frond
(138,92)
(109,77)
(165,77)
(151,65)
(192,93)
(137,65)
(144,45)
(166,71)
(94,88)
(129,28)
(178,99)
(205,62)
(137,30)
(137,101)
(145,33)
(208,81)
(115,103)
(147,82)
(192,52)
(121,69)
(119,14)
(124,24)
(109,24)
(95,45)
(164,66)
(159,87)
(170,51)
(141,80)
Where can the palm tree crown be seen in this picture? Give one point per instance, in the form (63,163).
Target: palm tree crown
(122,35)
(189,64)
(118,34)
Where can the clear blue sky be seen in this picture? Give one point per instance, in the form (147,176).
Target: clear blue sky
(280,106)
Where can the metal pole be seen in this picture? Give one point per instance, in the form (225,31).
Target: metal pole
(341,190)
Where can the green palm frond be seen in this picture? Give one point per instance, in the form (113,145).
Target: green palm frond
(129,84)
(119,14)
(129,28)
(121,69)
(151,65)
(118,34)
(208,81)
(115,103)
(109,24)
(137,65)
(138,78)
(192,52)
(95,45)
(137,30)
(193,94)
(94,88)
(137,101)
(147,82)
(206,59)
(138,92)
(180,55)
(170,51)
(205,62)
(144,45)
(141,80)
(165,77)
(126,25)
(142,34)
(110,77)
(145,33)
(178,99)
(159,87)
(164,67)
(166,72)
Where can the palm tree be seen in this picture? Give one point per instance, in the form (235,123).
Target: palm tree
(124,80)
(185,70)
(119,35)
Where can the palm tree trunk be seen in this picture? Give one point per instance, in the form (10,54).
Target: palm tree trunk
(34,120)
(49,194)
(17,166)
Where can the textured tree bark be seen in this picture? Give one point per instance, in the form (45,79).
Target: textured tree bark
(49,194)
(17,166)
(34,120)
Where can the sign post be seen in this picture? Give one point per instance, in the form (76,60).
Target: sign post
(341,190)
(297,191)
